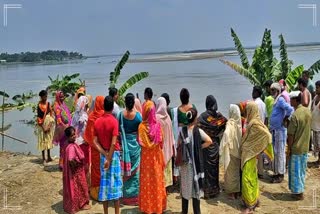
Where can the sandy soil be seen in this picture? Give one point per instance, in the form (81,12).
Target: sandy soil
(34,188)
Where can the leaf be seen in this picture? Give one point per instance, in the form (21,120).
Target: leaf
(276,72)
(285,62)
(4,94)
(16,97)
(117,70)
(293,76)
(131,81)
(247,73)
(314,69)
(240,49)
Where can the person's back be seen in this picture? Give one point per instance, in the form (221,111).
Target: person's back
(301,119)
(105,129)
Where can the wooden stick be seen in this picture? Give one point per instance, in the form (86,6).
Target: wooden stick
(3,134)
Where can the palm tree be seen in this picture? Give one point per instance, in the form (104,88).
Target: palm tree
(265,66)
(114,76)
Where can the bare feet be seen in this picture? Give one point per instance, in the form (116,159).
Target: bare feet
(86,207)
(247,211)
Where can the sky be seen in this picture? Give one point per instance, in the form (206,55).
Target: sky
(95,27)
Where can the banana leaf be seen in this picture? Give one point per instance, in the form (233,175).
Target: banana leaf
(314,69)
(285,62)
(117,70)
(247,73)
(2,93)
(293,77)
(131,81)
(241,50)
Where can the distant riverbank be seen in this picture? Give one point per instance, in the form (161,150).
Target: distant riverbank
(45,57)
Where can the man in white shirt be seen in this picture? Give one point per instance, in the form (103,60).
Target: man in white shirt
(256,96)
(113,92)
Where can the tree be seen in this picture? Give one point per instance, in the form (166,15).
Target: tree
(265,66)
(114,76)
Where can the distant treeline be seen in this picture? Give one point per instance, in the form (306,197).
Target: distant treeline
(50,55)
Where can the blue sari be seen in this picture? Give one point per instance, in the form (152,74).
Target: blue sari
(130,160)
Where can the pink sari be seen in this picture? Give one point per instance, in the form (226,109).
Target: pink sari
(75,187)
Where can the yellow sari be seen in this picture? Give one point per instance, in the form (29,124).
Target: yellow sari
(257,139)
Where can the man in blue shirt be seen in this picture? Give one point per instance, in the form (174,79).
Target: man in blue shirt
(278,122)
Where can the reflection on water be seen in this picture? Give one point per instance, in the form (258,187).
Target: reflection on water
(201,77)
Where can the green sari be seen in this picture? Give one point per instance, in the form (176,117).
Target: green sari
(250,185)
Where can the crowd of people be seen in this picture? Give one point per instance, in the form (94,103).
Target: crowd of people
(138,154)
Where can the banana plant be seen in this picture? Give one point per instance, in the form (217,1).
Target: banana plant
(265,66)
(263,60)
(19,101)
(114,76)
(67,84)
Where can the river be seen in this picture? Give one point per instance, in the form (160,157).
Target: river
(201,77)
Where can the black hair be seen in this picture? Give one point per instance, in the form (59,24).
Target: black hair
(68,131)
(129,101)
(298,98)
(303,82)
(268,83)
(108,103)
(166,97)
(113,92)
(148,92)
(184,96)
(43,93)
(306,72)
(191,115)
(258,90)
(318,83)
(80,95)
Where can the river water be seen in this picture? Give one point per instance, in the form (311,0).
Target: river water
(201,77)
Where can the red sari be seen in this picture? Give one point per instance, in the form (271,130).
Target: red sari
(75,188)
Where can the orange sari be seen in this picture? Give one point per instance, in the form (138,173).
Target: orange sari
(94,155)
(152,197)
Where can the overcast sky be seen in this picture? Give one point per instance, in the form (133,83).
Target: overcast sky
(113,26)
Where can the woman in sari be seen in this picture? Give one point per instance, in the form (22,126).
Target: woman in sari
(213,124)
(129,121)
(152,197)
(168,139)
(193,141)
(75,187)
(94,153)
(79,122)
(45,125)
(257,139)
(230,152)
(179,119)
(63,120)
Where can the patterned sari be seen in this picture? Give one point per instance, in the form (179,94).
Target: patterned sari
(94,155)
(152,197)
(63,119)
(75,187)
(130,158)
(213,124)
(257,139)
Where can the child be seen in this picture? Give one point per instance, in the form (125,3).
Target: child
(75,188)
(45,125)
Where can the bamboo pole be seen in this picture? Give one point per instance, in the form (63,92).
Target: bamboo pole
(22,141)
(2,147)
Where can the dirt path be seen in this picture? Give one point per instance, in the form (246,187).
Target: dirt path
(35,188)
